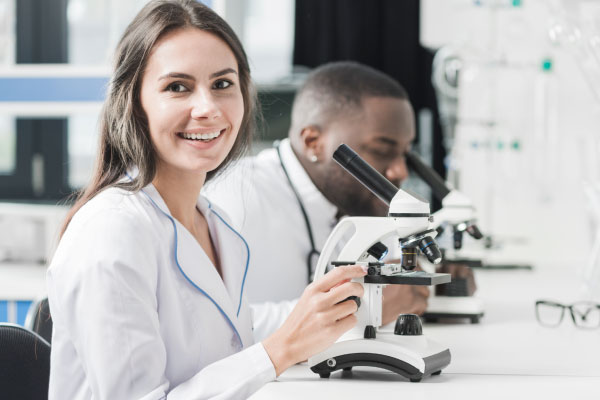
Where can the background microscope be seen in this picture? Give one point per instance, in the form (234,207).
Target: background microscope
(453,300)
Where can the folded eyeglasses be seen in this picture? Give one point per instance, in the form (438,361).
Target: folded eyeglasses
(585,314)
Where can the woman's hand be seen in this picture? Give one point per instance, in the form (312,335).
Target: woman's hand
(318,319)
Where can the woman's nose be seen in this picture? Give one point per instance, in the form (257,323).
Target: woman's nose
(204,106)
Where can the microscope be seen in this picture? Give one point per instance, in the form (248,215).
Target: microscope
(452,300)
(406,350)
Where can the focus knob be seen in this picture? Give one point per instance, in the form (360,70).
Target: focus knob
(409,325)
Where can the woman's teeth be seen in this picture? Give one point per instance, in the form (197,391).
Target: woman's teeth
(200,136)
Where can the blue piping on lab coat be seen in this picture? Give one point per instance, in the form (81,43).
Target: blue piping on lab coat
(192,282)
(247,250)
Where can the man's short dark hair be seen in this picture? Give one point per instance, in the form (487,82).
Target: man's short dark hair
(334,89)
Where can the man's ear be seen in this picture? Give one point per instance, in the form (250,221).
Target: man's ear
(311,138)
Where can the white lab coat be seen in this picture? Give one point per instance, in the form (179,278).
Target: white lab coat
(261,204)
(139,310)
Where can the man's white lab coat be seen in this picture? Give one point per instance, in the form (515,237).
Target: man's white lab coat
(261,204)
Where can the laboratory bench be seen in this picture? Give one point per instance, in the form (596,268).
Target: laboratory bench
(507,355)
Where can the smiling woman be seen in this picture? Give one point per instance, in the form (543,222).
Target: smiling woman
(146,288)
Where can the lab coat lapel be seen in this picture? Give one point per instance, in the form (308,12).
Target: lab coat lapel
(193,263)
(233,253)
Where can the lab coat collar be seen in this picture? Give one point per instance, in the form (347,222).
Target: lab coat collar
(312,198)
(227,292)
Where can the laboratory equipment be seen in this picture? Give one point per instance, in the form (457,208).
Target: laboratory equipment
(405,351)
(458,213)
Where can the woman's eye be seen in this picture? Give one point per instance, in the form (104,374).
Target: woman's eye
(222,84)
(176,87)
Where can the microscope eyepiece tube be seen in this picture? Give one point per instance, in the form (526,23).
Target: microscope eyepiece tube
(365,174)
(428,174)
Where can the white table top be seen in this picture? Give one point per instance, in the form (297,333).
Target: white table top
(507,355)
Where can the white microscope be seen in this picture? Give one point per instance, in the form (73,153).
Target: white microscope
(458,213)
(406,350)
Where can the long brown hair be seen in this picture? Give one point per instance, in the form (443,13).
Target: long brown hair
(124,135)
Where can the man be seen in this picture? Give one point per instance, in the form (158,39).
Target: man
(286,200)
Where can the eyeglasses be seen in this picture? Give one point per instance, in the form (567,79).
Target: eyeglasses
(584,314)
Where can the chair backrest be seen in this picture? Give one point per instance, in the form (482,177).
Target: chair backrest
(24,363)
(39,319)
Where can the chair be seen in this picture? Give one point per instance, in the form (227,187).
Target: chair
(24,363)
(39,319)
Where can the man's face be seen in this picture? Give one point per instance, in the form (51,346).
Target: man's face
(381,134)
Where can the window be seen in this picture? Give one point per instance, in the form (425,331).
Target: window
(47,149)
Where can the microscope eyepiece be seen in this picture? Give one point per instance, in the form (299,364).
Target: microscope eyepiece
(428,174)
(429,247)
(365,174)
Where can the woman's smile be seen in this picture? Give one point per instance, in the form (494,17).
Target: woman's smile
(202,139)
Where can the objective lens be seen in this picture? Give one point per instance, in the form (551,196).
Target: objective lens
(458,239)
(431,250)
(409,258)
(474,231)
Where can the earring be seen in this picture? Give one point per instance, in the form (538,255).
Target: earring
(313,158)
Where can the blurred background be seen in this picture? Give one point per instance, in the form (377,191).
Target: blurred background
(506,92)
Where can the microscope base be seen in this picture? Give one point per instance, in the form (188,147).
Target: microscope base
(451,307)
(413,357)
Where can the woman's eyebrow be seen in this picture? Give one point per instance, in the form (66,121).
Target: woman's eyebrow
(223,72)
(180,75)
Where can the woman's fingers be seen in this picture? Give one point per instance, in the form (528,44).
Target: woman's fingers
(341,311)
(345,290)
(319,319)
(345,324)
(339,274)
(340,283)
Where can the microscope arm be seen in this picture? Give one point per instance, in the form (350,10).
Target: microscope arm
(367,232)
(338,233)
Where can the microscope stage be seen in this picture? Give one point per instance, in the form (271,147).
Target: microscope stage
(410,278)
